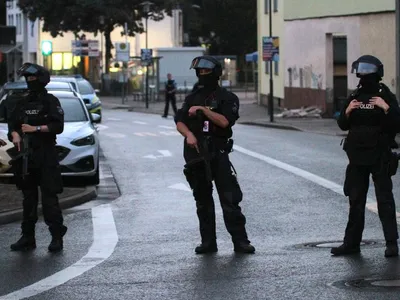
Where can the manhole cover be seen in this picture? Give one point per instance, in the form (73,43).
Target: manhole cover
(370,284)
(330,244)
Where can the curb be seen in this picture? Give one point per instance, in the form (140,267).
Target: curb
(273,125)
(85,196)
(290,127)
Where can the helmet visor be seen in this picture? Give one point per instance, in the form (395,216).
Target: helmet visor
(201,63)
(363,68)
(27,69)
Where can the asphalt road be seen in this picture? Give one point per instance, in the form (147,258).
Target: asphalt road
(141,246)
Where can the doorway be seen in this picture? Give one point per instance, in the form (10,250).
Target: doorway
(340,89)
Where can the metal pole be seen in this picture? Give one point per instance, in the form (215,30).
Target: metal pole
(398,50)
(148,64)
(271,78)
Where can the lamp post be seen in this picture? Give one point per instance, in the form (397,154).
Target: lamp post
(146,9)
(271,80)
(101,20)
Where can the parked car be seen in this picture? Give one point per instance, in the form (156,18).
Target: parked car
(83,87)
(77,146)
(20,86)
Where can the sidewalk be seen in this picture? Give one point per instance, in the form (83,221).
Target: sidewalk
(250,114)
(11,200)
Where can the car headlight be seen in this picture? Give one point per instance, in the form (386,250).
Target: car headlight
(95,99)
(85,141)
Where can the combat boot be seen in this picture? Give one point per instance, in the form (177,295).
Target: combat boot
(345,249)
(392,249)
(243,247)
(57,243)
(207,247)
(25,243)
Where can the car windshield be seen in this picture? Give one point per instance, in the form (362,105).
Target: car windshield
(73,110)
(59,86)
(85,87)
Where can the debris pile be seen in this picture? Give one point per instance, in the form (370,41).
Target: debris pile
(303,112)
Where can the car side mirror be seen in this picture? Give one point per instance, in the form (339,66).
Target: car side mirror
(97,91)
(95,117)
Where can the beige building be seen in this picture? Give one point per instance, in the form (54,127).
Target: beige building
(321,39)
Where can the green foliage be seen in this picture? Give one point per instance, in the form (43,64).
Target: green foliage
(234,23)
(60,16)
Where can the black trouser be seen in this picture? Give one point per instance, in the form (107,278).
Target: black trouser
(49,180)
(230,195)
(170,98)
(356,187)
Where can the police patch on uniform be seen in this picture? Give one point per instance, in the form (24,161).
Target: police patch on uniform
(60,110)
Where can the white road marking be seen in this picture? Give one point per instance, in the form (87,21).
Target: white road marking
(145,134)
(169,133)
(105,238)
(166,127)
(115,135)
(139,122)
(181,187)
(113,119)
(165,153)
(101,127)
(371,205)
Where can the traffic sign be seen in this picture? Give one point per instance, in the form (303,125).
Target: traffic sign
(85,48)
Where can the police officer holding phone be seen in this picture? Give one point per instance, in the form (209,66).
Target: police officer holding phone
(35,121)
(372,118)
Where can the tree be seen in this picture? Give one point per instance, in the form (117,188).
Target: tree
(75,15)
(228,26)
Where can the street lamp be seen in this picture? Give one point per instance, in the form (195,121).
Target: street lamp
(146,9)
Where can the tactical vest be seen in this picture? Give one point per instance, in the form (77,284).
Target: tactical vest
(366,139)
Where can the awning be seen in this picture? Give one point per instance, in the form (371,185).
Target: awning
(6,49)
(252,57)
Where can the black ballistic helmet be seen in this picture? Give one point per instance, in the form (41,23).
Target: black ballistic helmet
(207,62)
(29,69)
(367,64)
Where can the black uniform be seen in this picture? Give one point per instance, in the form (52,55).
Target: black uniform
(36,109)
(219,144)
(170,85)
(368,147)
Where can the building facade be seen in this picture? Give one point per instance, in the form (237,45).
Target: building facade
(263,15)
(322,38)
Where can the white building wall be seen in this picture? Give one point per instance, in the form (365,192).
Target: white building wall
(306,45)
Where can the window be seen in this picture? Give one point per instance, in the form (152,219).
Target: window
(275,5)
(266,6)
(73,110)
(276,65)
(32,29)
(19,23)
(10,20)
(85,87)
(267,67)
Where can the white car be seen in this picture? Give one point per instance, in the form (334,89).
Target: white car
(77,146)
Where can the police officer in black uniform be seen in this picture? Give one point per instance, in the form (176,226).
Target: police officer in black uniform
(372,117)
(170,90)
(38,117)
(216,110)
